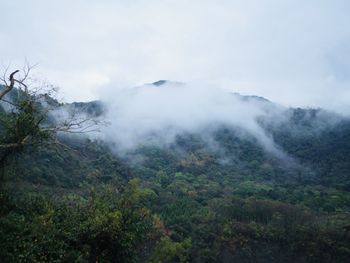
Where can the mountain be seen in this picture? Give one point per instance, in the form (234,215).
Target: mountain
(164,82)
(222,196)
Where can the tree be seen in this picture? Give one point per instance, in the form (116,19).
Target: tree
(26,117)
(107,226)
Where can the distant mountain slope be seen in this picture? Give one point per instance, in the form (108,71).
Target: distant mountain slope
(317,142)
(218,192)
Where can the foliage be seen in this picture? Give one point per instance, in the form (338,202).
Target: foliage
(190,203)
(108,226)
(169,251)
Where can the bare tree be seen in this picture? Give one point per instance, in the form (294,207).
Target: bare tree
(27,119)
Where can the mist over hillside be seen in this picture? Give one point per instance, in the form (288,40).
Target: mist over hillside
(234,129)
(175,131)
(157,113)
(185,119)
(215,169)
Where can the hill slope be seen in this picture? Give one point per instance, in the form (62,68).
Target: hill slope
(223,192)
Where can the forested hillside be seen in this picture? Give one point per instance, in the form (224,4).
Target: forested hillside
(227,199)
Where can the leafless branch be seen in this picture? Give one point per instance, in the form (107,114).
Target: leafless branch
(3,78)
(72,124)
(9,87)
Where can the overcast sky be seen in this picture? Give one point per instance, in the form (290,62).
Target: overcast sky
(294,52)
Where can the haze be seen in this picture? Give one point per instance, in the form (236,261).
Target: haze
(293,52)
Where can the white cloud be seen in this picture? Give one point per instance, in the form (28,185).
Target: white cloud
(157,114)
(293,52)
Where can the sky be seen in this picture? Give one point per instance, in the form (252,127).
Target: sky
(293,52)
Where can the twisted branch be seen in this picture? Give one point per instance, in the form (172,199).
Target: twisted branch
(8,88)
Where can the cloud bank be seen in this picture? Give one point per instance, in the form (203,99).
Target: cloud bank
(155,114)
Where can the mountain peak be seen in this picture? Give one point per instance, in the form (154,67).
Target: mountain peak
(160,82)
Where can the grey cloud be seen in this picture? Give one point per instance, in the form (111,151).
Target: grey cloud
(294,52)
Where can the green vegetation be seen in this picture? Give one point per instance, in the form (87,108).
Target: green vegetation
(185,202)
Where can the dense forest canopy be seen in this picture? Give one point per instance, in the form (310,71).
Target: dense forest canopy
(218,194)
